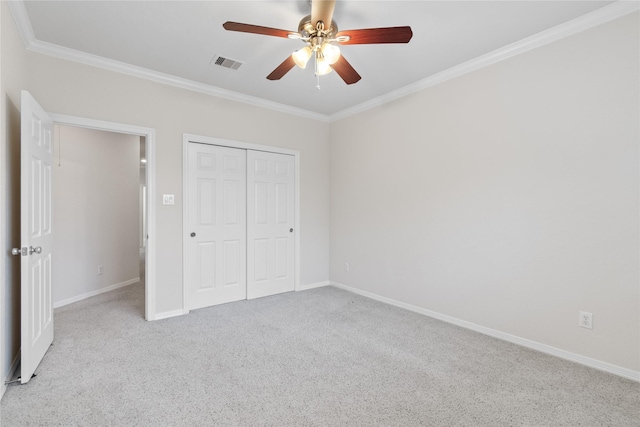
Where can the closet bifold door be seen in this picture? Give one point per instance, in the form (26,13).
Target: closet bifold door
(270,223)
(217,236)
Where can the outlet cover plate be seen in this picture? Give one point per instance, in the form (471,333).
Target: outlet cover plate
(586,320)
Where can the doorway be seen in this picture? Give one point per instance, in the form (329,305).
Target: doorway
(98,180)
(146,138)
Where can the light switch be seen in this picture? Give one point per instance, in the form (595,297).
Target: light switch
(168,199)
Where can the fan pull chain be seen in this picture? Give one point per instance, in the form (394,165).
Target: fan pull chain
(316,71)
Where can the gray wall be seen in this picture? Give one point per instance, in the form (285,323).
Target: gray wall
(12,75)
(507,197)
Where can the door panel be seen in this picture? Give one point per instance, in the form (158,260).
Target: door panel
(232,262)
(36,234)
(216,205)
(282,257)
(270,221)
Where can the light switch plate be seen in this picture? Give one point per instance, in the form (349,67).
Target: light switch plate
(168,199)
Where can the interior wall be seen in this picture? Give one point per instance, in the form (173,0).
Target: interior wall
(69,88)
(13,66)
(508,197)
(96,184)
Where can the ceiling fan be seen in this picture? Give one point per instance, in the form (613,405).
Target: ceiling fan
(319,33)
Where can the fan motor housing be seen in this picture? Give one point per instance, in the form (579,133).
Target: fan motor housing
(307,29)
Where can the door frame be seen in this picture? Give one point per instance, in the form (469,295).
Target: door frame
(150,311)
(189,138)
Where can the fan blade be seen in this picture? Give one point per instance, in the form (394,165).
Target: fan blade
(346,71)
(322,10)
(282,69)
(256,29)
(377,35)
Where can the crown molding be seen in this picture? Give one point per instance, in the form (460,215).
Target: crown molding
(167,79)
(22,21)
(21,18)
(600,16)
(590,20)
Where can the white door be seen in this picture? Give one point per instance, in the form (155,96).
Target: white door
(35,235)
(216,204)
(270,221)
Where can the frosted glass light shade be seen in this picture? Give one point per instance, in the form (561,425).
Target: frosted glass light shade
(331,52)
(323,67)
(301,57)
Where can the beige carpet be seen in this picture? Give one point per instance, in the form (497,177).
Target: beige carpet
(319,357)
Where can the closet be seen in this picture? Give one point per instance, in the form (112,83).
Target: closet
(240,215)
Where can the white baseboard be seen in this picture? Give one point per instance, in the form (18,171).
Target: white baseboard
(94,293)
(10,374)
(168,314)
(563,354)
(313,285)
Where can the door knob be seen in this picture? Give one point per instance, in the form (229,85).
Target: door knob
(19,251)
(193,234)
(36,250)
(291,230)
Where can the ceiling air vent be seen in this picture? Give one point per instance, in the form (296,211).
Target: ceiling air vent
(226,62)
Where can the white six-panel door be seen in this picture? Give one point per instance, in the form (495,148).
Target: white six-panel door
(240,213)
(270,221)
(217,225)
(36,235)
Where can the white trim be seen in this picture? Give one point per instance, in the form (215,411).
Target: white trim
(31,43)
(582,23)
(12,371)
(186,139)
(185,222)
(167,79)
(170,314)
(150,138)
(22,21)
(313,286)
(534,345)
(94,293)
(600,16)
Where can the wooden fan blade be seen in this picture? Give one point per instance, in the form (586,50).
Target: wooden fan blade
(377,35)
(256,29)
(282,69)
(322,10)
(346,71)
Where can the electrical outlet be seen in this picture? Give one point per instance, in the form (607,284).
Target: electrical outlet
(346,267)
(100,270)
(586,320)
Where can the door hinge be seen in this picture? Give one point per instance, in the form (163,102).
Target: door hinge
(19,251)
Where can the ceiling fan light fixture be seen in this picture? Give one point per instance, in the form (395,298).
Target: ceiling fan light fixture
(330,52)
(301,56)
(319,32)
(323,66)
